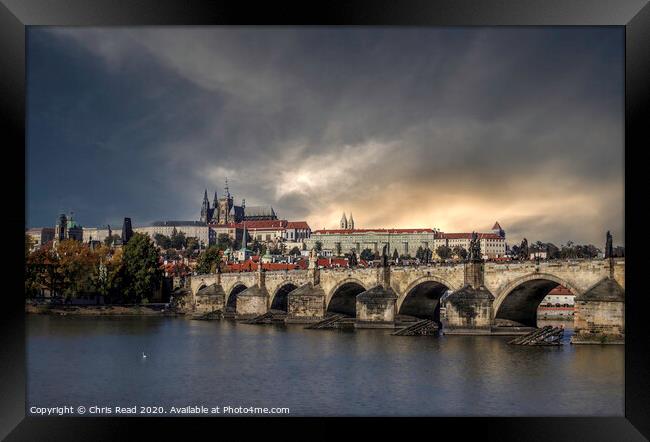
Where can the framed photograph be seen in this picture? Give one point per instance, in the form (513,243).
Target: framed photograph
(425,210)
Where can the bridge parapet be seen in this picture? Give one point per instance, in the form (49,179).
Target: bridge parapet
(499,278)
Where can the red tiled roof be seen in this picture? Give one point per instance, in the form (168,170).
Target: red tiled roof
(297,225)
(249,265)
(224,226)
(560,290)
(496,226)
(267,224)
(333,262)
(348,231)
(467,236)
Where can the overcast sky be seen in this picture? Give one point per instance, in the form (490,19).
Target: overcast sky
(451,128)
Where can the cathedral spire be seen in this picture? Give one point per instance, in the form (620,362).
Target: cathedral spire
(226,189)
(214,202)
(205,207)
(243,241)
(351,222)
(344,222)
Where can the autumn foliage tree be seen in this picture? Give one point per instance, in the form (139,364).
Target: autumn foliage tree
(74,269)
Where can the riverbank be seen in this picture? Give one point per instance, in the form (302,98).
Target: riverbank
(98,310)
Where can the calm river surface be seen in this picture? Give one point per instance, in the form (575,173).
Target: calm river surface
(98,361)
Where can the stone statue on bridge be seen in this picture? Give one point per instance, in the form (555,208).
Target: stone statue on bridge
(384,256)
(474,254)
(352,262)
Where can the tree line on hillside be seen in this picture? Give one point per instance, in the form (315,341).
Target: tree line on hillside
(130,274)
(570,250)
(177,240)
(521,252)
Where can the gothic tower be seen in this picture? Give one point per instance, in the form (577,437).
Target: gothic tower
(497,230)
(62,228)
(205,207)
(344,222)
(127,230)
(351,222)
(225,206)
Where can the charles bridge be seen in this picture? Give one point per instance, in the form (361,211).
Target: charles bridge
(476,298)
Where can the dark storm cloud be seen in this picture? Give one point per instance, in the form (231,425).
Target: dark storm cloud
(451,128)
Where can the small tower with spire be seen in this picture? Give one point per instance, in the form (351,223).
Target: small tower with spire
(351,222)
(344,222)
(497,230)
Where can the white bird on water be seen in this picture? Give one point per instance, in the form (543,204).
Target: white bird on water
(144,356)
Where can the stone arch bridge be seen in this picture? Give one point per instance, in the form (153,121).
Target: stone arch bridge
(512,291)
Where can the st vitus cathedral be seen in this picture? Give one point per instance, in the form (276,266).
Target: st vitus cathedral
(224,211)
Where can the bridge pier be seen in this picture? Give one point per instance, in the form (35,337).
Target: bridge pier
(254,300)
(376,308)
(468,310)
(600,314)
(306,304)
(210,299)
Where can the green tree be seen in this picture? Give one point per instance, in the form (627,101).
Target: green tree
(318,246)
(255,247)
(367,255)
(395,255)
(192,243)
(140,270)
(178,240)
(459,252)
(208,260)
(294,251)
(224,241)
(163,241)
(444,252)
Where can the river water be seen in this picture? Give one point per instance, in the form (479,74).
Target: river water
(98,361)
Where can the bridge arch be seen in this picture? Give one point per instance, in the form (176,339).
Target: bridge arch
(421,299)
(280,298)
(231,300)
(343,297)
(519,299)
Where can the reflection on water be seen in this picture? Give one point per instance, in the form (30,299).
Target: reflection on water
(83,361)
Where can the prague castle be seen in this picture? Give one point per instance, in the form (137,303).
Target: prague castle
(224,211)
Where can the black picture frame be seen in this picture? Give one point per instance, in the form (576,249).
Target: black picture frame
(15,15)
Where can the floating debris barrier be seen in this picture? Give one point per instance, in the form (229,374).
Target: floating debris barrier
(426,327)
(328,322)
(547,335)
